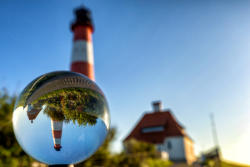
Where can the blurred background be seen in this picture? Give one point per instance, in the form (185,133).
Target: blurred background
(193,56)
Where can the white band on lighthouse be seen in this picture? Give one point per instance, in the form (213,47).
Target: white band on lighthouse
(57,141)
(82,51)
(56,125)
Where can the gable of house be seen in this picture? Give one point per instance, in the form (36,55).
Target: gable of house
(155,127)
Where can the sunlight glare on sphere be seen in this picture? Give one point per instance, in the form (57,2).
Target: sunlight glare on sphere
(61,118)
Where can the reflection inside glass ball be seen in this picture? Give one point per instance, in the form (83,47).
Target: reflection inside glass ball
(61,118)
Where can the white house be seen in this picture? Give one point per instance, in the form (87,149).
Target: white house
(162,129)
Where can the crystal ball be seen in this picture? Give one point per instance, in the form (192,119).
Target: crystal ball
(61,118)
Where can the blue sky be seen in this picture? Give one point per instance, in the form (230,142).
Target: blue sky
(192,55)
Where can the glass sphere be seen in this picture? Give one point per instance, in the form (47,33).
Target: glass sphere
(61,118)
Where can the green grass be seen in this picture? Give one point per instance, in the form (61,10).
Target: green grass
(225,163)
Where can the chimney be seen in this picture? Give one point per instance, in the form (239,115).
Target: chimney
(157,106)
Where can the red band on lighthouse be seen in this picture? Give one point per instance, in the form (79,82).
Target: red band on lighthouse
(84,68)
(82,33)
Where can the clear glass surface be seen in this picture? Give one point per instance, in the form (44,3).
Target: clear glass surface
(61,118)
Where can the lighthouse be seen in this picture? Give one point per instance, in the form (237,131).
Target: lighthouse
(57,133)
(82,58)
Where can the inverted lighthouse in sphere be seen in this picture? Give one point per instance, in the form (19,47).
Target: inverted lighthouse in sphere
(82,60)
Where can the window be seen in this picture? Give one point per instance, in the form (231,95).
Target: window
(169,145)
(153,129)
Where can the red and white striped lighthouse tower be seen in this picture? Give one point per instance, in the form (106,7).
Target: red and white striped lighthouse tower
(82,59)
(56,127)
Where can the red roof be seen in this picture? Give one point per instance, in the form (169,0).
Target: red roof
(32,114)
(161,119)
